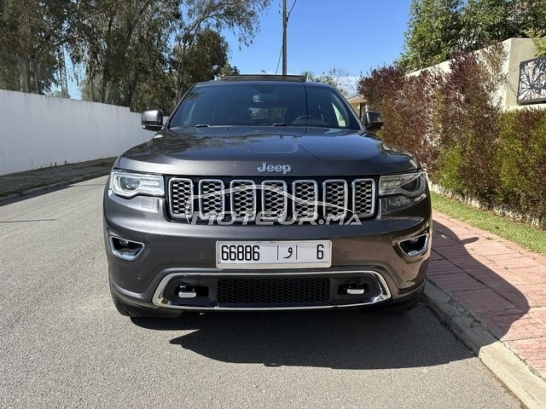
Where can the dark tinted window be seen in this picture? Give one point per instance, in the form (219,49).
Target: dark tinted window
(263,104)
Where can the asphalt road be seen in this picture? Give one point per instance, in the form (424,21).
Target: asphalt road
(62,344)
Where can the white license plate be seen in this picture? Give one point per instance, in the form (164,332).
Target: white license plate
(273,254)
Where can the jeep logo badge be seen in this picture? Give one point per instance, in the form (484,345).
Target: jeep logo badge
(275,168)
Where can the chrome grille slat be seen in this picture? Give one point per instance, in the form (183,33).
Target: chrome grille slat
(364,197)
(211,198)
(305,200)
(274,200)
(181,197)
(243,199)
(338,199)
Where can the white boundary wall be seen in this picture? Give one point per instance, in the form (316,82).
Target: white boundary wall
(38,131)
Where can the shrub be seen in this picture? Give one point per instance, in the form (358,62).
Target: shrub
(457,129)
(521,158)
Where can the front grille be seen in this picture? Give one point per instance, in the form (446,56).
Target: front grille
(273,291)
(302,200)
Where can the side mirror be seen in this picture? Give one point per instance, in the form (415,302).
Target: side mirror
(372,120)
(152,120)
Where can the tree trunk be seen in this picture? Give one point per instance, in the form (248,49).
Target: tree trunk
(180,75)
(23,64)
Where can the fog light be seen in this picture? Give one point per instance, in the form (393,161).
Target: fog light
(415,246)
(185,291)
(125,249)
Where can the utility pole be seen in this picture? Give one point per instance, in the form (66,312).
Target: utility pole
(284,23)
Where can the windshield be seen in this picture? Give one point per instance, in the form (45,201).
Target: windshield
(263,104)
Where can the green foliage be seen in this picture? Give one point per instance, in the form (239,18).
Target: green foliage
(205,59)
(217,15)
(125,46)
(31,34)
(439,28)
(461,136)
(448,172)
(433,33)
(521,158)
(539,39)
(486,21)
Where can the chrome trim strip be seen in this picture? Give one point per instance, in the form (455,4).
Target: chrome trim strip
(159,301)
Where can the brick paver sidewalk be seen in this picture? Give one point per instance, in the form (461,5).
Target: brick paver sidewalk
(501,284)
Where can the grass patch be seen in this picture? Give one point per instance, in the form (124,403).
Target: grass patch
(526,236)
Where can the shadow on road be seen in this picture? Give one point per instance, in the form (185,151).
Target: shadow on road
(338,339)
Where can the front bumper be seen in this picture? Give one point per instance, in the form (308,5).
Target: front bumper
(179,259)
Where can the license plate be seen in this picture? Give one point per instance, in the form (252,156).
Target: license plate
(273,254)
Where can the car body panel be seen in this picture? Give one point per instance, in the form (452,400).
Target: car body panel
(374,252)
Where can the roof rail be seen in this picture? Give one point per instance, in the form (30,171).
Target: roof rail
(262,77)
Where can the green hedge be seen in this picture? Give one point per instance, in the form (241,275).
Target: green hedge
(457,129)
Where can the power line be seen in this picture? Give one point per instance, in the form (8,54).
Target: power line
(278,62)
(291,8)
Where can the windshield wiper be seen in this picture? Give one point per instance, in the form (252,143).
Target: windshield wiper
(191,126)
(279,124)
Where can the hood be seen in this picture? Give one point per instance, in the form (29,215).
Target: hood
(271,151)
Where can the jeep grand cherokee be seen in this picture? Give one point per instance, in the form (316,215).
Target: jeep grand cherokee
(264,193)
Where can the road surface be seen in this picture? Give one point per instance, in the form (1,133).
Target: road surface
(62,343)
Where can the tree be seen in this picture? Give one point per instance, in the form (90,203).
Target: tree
(228,70)
(122,44)
(433,33)
(487,21)
(531,15)
(439,28)
(130,48)
(335,77)
(204,60)
(127,46)
(31,34)
(198,15)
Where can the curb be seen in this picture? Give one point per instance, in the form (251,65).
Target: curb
(53,186)
(502,361)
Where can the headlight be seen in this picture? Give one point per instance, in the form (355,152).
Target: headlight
(409,184)
(132,184)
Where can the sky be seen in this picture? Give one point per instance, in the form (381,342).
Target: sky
(351,35)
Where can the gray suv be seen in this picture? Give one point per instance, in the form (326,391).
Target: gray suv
(264,193)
